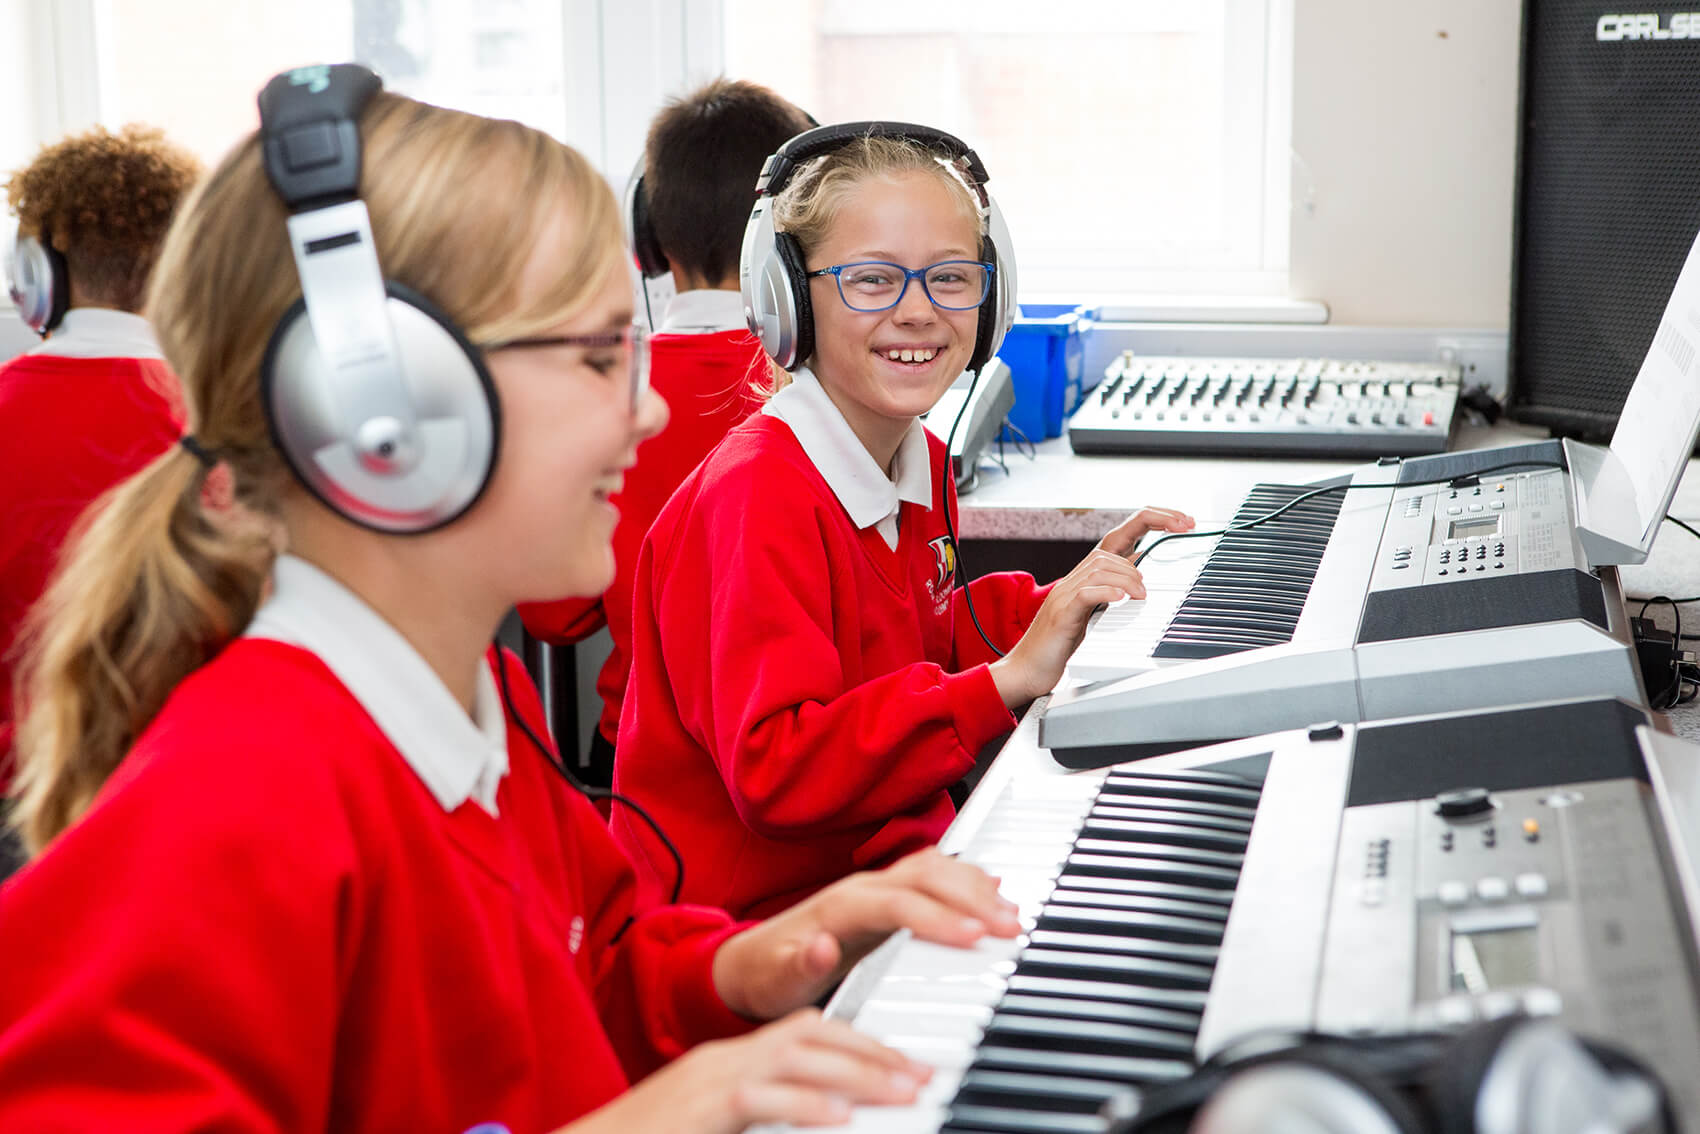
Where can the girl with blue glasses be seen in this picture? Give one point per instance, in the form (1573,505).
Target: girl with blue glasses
(807,683)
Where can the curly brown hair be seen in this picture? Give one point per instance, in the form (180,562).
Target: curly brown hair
(104,201)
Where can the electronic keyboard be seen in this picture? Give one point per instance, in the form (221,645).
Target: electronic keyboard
(1417,874)
(1395,597)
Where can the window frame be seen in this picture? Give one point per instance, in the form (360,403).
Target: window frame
(622,59)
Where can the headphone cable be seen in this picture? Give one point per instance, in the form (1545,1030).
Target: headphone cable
(589,790)
(946,479)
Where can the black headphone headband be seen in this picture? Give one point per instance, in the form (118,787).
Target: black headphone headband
(771,273)
(779,168)
(309,121)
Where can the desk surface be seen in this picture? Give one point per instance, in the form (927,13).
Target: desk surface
(1053,494)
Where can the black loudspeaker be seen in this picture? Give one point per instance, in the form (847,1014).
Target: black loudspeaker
(1608,202)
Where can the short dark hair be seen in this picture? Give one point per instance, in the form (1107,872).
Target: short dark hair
(701,161)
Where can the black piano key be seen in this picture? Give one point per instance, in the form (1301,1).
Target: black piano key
(1123,946)
(1185,1000)
(1267,604)
(1133,847)
(1163,927)
(1119,904)
(1203,776)
(1248,623)
(1113,1011)
(1059,1092)
(1153,971)
(1101,883)
(1154,788)
(1115,1068)
(1011,1120)
(1151,869)
(1195,651)
(1228,823)
(1132,830)
(1095,1037)
(1191,625)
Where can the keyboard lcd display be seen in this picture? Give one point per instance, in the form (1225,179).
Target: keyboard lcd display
(1474,526)
(1497,958)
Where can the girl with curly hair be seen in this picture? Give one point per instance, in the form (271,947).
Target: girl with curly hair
(96,400)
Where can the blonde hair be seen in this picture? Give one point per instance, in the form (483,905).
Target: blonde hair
(809,205)
(154,584)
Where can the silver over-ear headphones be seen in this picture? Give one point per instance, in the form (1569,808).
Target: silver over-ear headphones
(771,272)
(377,401)
(1514,1075)
(37,281)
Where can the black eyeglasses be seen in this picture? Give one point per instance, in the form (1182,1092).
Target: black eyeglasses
(634,339)
(878,285)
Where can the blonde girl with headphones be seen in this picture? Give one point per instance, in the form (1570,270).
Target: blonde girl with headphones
(296,862)
(808,679)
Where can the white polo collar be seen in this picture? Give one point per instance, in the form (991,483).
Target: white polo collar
(706,311)
(100,332)
(869,496)
(458,757)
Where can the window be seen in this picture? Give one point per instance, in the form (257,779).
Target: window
(1133,145)
(194,66)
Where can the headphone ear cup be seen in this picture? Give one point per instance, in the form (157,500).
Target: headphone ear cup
(59,277)
(1307,1090)
(453,412)
(985,329)
(1453,1081)
(1519,1073)
(39,283)
(790,255)
(651,260)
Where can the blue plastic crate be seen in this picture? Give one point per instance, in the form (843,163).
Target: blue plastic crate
(1045,351)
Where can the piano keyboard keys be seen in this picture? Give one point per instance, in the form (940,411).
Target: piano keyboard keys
(1124,882)
(1245,594)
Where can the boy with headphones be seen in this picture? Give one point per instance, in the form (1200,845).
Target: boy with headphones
(808,679)
(95,401)
(686,210)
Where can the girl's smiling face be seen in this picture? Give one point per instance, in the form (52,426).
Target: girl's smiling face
(885,368)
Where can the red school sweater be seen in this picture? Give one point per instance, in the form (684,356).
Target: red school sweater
(801,696)
(70,428)
(707,382)
(266,922)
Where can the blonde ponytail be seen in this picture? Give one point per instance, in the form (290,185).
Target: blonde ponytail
(154,587)
(159,581)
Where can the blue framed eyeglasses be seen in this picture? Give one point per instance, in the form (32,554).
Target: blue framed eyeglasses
(878,285)
(634,339)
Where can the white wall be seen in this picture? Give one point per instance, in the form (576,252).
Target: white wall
(1404,156)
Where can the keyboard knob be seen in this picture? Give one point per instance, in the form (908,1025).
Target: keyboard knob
(1462,803)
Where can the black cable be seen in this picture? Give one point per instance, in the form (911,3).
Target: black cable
(1672,693)
(1669,519)
(1457,480)
(945,480)
(591,790)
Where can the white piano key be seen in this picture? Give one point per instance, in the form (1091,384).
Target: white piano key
(1121,637)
